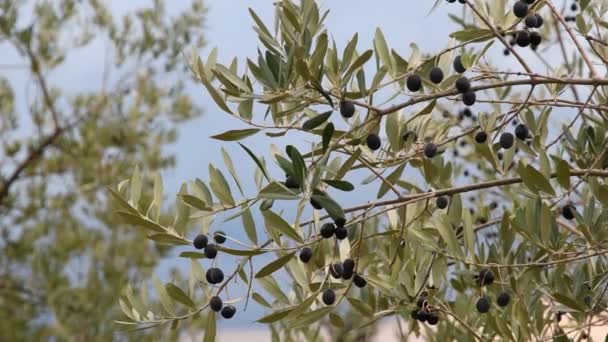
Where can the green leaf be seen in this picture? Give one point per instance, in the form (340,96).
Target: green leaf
(163,296)
(316,121)
(276,222)
(195,202)
(328,132)
(275,316)
(471,34)
(381,48)
(220,186)
(339,184)
(210,328)
(310,317)
(563,173)
(363,308)
(276,190)
(539,180)
(569,302)
(392,178)
(455,209)
(360,61)
(599,191)
(299,166)
(215,95)
(237,134)
(232,77)
(349,50)
(332,207)
(121,202)
(192,255)
(249,225)
(274,265)
(179,295)
(444,227)
(336,320)
(139,221)
(231,169)
(256,160)
(348,164)
(168,239)
(240,252)
(135,191)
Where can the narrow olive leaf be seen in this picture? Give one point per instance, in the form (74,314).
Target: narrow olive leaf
(455,209)
(332,207)
(382,48)
(310,317)
(471,34)
(232,170)
(240,252)
(468,232)
(232,77)
(237,134)
(299,166)
(276,222)
(192,255)
(256,160)
(569,302)
(539,180)
(249,225)
(599,191)
(215,95)
(278,191)
(139,221)
(444,227)
(324,94)
(392,179)
(328,132)
(201,189)
(127,310)
(301,307)
(195,202)
(316,59)
(284,164)
(135,189)
(362,59)
(168,239)
(316,121)
(349,50)
(275,316)
(260,300)
(121,202)
(163,296)
(563,173)
(210,328)
(179,295)
(363,308)
(339,184)
(336,320)
(274,265)
(348,164)
(220,186)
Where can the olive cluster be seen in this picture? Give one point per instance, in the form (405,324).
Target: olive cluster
(214,275)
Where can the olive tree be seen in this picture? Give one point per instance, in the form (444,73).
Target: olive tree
(486,218)
(63,255)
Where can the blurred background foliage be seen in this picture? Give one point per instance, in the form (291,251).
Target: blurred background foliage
(63,257)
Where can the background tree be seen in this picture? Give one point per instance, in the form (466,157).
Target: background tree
(479,229)
(63,257)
